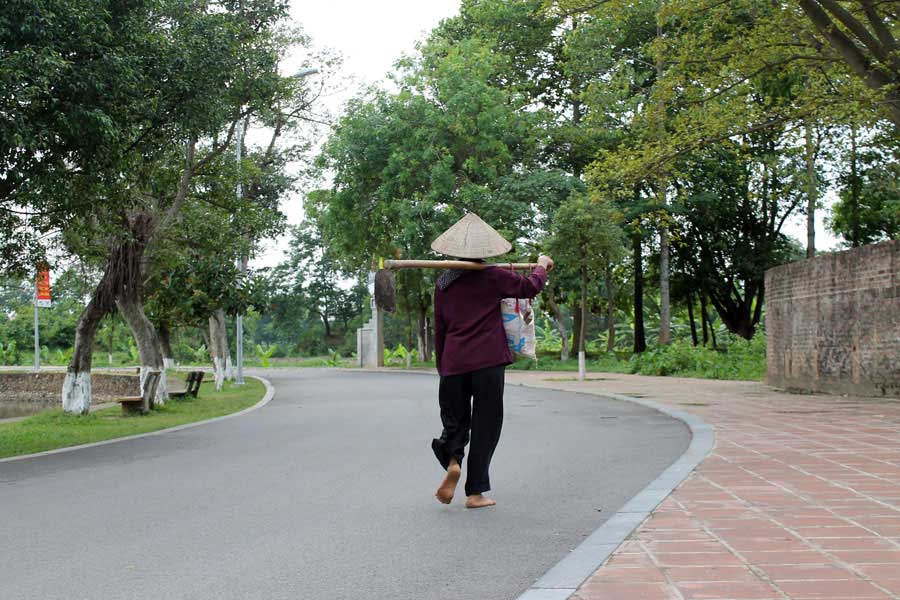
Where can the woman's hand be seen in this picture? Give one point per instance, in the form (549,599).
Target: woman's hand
(546,262)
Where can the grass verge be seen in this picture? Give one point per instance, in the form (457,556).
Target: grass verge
(54,429)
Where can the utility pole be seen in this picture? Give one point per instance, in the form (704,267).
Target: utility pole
(242,265)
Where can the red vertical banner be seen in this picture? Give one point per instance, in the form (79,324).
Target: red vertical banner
(42,299)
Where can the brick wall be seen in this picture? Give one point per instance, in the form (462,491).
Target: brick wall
(833,322)
(27,393)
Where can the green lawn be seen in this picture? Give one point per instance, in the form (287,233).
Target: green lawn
(55,429)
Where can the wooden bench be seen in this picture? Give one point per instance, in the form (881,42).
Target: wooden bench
(141,404)
(194,379)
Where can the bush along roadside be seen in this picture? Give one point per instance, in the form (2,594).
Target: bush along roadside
(738,359)
(54,429)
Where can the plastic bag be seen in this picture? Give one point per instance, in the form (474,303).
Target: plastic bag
(518,323)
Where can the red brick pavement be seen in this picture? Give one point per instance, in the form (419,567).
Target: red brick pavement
(800,499)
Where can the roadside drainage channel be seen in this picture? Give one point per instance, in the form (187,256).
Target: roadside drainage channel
(562,580)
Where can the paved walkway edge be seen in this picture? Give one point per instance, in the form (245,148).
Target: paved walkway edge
(267,397)
(562,580)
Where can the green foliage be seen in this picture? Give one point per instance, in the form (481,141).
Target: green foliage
(546,335)
(265,353)
(400,355)
(868,206)
(133,353)
(334,359)
(200,355)
(9,353)
(62,357)
(739,359)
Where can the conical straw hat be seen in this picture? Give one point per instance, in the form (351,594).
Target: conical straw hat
(470,237)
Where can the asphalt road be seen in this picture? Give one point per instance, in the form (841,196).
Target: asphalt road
(325,493)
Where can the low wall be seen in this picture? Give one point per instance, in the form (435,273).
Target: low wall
(28,393)
(833,322)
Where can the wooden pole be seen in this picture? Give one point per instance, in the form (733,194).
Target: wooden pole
(454,264)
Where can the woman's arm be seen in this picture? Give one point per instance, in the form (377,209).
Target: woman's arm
(513,285)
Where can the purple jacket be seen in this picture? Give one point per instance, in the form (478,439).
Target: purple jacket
(468,329)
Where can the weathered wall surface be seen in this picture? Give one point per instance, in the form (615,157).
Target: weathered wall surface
(28,393)
(833,322)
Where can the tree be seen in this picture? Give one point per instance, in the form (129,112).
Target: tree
(226,77)
(733,200)
(407,165)
(587,237)
(868,206)
(81,82)
(864,36)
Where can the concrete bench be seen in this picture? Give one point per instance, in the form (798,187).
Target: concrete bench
(141,404)
(194,379)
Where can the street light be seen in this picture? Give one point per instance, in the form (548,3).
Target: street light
(242,260)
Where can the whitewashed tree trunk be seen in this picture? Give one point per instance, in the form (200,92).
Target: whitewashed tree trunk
(76,392)
(219,367)
(420,335)
(147,343)
(218,347)
(229,368)
(582,366)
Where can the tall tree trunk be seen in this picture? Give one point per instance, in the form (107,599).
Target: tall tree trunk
(560,321)
(811,193)
(218,345)
(703,320)
(429,338)
(421,333)
(226,350)
(610,309)
(204,333)
(854,189)
(665,308)
(690,307)
(707,321)
(112,324)
(122,276)
(132,310)
(576,326)
(165,345)
(640,337)
(327,323)
(76,390)
(582,367)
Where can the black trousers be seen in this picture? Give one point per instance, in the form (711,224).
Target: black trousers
(471,403)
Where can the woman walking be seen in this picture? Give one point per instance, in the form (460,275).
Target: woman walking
(472,353)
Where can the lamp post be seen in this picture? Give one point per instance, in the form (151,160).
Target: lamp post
(242,260)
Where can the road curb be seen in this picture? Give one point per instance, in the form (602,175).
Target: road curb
(267,397)
(563,579)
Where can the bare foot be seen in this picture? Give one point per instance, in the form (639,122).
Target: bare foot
(478,501)
(447,488)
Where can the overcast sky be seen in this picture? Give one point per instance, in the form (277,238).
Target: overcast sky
(371,36)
